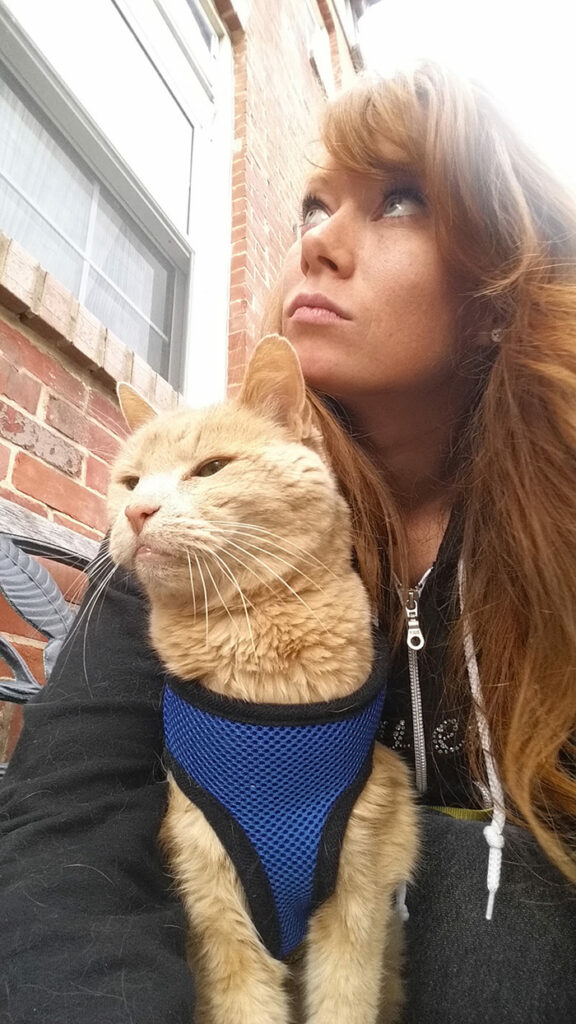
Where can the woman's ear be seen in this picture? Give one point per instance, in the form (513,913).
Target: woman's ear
(135,409)
(484,322)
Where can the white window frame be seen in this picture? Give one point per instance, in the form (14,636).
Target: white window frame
(318,42)
(199,365)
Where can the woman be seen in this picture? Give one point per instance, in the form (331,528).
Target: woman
(432,296)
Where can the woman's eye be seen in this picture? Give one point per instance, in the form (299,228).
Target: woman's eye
(131,482)
(211,467)
(313,212)
(404,202)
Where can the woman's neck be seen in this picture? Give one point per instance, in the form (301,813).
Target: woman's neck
(416,454)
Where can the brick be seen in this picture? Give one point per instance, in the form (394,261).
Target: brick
(117,359)
(240,292)
(18,428)
(21,499)
(32,655)
(19,386)
(235,375)
(237,279)
(19,350)
(67,419)
(73,524)
(107,412)
(101,443)
(53,311)
(57,490)
(238,341)
(238,261)
(21,279)
(97,475)
(89,337)
(5,453)
(11,622)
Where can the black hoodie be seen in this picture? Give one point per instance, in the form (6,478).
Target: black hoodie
(90,929)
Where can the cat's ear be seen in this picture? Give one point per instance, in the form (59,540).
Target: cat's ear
(273,384)
(135,409)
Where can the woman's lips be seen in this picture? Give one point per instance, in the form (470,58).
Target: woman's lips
(315,315)
(315,308)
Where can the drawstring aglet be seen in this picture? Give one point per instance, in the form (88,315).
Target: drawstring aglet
(495,841)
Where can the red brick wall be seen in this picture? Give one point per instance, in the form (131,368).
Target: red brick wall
(278,101)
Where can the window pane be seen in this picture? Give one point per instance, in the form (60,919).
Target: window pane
(20,221)
(40,168)
(133,265)
(93,49)
(53,206)
(107,304)
(206,31)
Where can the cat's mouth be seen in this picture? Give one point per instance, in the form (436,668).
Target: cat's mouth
(151,554)
(148,553)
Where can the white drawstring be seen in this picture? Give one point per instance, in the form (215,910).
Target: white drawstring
(493,832)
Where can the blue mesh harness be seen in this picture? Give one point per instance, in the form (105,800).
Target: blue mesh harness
(277,782)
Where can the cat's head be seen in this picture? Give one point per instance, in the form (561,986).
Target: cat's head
(208,505)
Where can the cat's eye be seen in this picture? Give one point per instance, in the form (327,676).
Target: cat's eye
(130,482)
(211,467)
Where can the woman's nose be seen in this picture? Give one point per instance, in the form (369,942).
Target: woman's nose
(328,245)
(138,512)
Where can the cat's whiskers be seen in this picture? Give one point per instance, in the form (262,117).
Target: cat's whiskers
(232,619)
(244,599)
(191,581)
(262,529)
(91,571)
(276,575)
(73,591)
(106,575)
(96,563)
(88,611)
(218,591)
(205,593)
(266,551)
(264,582)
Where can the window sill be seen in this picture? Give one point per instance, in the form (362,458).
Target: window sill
(51,310)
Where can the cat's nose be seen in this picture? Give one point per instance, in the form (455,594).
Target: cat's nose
(138,513)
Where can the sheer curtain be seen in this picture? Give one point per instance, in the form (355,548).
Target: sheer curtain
(41,188)
(54,207)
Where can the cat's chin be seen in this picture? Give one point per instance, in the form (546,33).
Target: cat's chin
(158,570)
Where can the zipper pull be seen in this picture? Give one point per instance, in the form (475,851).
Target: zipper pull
(415,636)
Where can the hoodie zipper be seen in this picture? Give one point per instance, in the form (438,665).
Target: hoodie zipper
(415,641)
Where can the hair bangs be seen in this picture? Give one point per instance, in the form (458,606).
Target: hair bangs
(374,125)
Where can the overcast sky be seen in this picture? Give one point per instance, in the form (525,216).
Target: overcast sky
(523,52)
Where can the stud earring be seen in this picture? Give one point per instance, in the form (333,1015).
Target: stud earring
(496,335)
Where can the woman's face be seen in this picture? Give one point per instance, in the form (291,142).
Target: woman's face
(368,301)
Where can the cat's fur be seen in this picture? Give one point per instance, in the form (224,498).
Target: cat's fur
(252,592)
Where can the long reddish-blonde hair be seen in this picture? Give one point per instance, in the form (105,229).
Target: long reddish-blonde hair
(509,228)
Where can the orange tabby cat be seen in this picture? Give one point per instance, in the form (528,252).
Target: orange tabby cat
(233,523)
